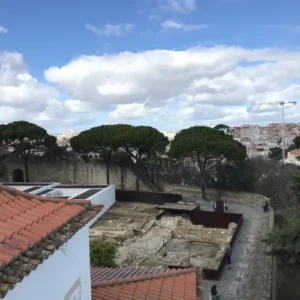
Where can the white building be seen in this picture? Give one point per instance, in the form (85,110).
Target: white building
(288,141)
(169,135)
(292,157)
(44,252)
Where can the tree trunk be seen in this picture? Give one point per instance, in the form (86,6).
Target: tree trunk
(203,192)
(26,171)
(139,170)
(107,173)
(122,177)
(202,169)
(107,164)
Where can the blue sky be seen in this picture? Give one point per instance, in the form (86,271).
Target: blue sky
(53,33)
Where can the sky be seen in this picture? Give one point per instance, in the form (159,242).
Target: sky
(170,64)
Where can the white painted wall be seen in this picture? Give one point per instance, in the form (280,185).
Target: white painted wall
(106,197)
(55,276)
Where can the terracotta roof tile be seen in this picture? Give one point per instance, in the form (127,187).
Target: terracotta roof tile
(165,285)
(28,226)
(104,273)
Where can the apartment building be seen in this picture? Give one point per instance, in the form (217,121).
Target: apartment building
(292,157)
(270,133)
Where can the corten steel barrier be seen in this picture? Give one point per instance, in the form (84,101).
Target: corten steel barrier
(146,197)
(214,219)
(216,274)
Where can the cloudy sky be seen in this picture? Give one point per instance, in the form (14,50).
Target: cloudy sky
(165,63)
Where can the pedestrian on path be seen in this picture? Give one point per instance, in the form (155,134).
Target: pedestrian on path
(267,206)
(214,293)
(228,255)
(226,206)
(264,206)
(214,206)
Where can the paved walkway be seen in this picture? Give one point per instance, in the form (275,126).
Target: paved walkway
(250,270)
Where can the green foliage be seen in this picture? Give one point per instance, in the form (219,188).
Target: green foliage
(25,138)
(275,153)
(102,254)
(284,240)
(103,140)
(221,126)
(138,142)
(296,185)
(206,143)
(235,177)
(295,145)
(206,148)
(143,141)
(53,151)
(296,142)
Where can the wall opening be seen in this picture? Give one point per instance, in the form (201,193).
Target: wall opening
(18,175)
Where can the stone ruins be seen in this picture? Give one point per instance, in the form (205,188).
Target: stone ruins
(170,242)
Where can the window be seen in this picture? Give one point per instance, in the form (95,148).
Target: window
(75,291)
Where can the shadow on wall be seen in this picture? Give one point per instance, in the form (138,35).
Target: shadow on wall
(18,175)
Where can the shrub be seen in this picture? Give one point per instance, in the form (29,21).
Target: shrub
(284,240)
(102,253)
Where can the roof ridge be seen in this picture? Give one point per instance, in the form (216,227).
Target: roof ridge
(32,222)
(42,198)
(165,274)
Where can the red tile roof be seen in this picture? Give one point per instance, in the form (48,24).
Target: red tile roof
(104,273)
(29,230)
(168,285)
(295,152)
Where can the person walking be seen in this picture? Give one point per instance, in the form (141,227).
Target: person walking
(214,293)
(228,255)
(226,206)
(266,206)
(214,206)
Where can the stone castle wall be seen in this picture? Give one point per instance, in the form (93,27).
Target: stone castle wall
(74,172)
(80,172)
(240,197)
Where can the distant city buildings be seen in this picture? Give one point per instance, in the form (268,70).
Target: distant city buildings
(63,140)
(169,135)
(259,139)
(270,133)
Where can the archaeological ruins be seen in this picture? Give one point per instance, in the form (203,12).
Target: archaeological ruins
(170,242)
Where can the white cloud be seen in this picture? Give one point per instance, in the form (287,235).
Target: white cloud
(180,6)
(3,30)
(111,29)
(165,88)
(229,84)
(129,111)
(23,97)
(170,24)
